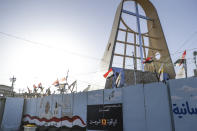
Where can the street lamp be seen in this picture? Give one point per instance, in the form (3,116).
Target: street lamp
(13,80)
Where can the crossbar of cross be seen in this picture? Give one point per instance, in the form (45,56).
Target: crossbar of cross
(134,14)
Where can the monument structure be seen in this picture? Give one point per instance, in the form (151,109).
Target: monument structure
(137,35)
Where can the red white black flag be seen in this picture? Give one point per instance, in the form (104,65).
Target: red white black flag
(56,83)
(109,73)
(182,60)
(148,60)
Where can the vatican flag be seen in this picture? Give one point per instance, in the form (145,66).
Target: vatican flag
(161,73)
(181,73)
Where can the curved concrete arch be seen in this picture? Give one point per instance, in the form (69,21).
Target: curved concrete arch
(160,43)
(157,41)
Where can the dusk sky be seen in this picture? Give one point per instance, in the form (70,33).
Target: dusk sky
(41,39)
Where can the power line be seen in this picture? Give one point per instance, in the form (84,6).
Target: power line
(48,46)
(78,54)
(187,40)
(52,47)
(67,51)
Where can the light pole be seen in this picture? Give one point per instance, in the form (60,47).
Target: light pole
(13,80)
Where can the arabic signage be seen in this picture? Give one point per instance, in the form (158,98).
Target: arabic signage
(105,117)
(184,109)
(184,103)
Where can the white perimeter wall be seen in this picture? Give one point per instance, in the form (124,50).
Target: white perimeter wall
(12,114)
(145,107)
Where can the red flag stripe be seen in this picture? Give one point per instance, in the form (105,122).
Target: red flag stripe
(56,83)
(106,74)
(34,86)
(184,54)
(183,57)
(148,60)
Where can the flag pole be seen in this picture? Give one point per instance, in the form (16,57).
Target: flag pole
(155,71)
(195,54)
(134,69)
(185,66)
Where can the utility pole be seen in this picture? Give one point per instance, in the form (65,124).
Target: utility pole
(13,80)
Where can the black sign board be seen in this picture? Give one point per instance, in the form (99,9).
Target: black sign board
(105,117)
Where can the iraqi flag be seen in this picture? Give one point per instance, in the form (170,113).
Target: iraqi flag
(148,60)
(63,81)
(179,62)
(109,73)
(56,83)
(40,85)
(34,86)
(184,54)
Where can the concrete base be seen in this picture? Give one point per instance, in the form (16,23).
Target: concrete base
(141,78)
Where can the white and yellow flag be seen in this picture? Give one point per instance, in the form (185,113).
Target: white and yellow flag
(161,73)
(180,73)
